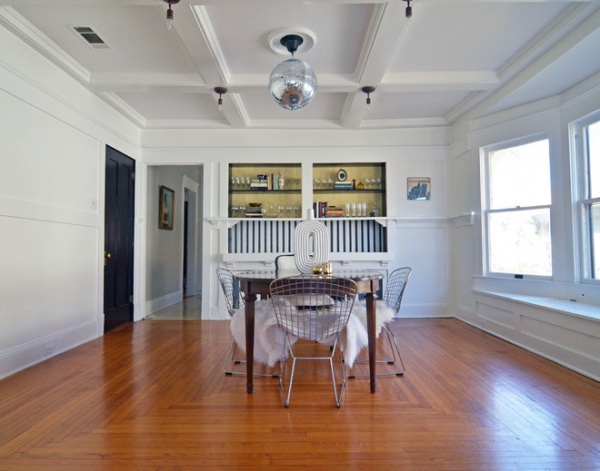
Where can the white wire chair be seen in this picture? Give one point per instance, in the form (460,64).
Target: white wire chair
(234,299)
(316,309)
(392,297)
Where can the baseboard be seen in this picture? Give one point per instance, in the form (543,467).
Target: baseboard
(157,304)
(28,354)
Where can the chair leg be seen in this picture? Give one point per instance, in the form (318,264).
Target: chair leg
(230,372)
(391,340)
(286,397)
(337,392)
(338,396)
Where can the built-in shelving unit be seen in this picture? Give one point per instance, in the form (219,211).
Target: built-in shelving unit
(265,191)
(349,190)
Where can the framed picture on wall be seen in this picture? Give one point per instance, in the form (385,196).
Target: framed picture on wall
(166,208)
(419,188)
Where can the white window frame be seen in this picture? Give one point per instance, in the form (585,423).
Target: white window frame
(580,199)
(485,204)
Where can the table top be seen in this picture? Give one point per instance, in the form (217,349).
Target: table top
(355,275)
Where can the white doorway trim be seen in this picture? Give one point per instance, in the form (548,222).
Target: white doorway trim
(192,236)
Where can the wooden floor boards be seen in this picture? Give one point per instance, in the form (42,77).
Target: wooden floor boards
(152,396)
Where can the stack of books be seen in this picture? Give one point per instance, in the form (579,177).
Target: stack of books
(342,186)
(334,212)
(259,184)
(254,212)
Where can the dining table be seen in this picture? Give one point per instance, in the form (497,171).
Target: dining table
(256,283)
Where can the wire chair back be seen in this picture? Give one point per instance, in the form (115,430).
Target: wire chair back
(313,307)
(394,290)
(231,288)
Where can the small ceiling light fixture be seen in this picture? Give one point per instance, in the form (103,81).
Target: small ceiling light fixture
(368,90)
(220,91)
(408,11)
(170,12)
(292,83)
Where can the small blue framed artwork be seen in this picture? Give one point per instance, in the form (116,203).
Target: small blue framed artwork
(419,188)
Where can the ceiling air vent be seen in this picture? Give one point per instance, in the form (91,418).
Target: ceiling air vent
(91,38)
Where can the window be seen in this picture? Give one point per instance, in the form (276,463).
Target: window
(517,208)
(588,171)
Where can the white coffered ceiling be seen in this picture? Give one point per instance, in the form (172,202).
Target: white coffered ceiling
(450,58)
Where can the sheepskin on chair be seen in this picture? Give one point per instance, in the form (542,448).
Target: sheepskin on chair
(269,338)
(384,314)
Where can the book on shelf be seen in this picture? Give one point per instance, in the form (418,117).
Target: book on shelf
(334,212)
(254,212)
(320,209)
(259,185)
(342,186)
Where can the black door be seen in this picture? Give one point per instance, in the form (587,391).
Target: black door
(118,239)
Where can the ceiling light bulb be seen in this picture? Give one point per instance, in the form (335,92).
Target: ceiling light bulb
(368,90)
(408,11)
(170,13)
(220,91)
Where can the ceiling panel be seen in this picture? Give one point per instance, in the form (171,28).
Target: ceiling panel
(450,58)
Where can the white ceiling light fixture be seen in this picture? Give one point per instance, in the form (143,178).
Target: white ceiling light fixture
(293,83)
(170,12)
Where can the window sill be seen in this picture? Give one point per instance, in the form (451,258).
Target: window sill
(575,308)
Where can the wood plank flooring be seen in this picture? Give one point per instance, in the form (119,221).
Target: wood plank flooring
(152,396)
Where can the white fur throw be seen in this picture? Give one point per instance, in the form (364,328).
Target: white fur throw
(269,338)
(384,314)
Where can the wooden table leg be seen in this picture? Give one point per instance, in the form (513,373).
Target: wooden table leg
(371,316)
(249,318)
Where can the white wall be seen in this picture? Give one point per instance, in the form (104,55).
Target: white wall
(529,313)
(419,232)
(164,248)
(53,136)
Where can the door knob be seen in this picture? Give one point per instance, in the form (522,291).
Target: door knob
(107,256)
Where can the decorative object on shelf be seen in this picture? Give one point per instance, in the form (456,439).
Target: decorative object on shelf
(170,12)
(342,175)
(368,90)
(220,91)
(360,186)
(166,208)
(292,83)
(311,239)
(419,188)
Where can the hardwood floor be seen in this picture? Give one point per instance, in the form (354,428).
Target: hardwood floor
(152,396)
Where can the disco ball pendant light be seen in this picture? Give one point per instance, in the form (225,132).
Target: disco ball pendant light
(292,83)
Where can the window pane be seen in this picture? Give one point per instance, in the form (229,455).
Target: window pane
(519,242)
(520,176)
(593,135)
(594,215)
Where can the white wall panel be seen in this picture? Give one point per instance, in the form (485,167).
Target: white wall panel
(55,287)
(47,162)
